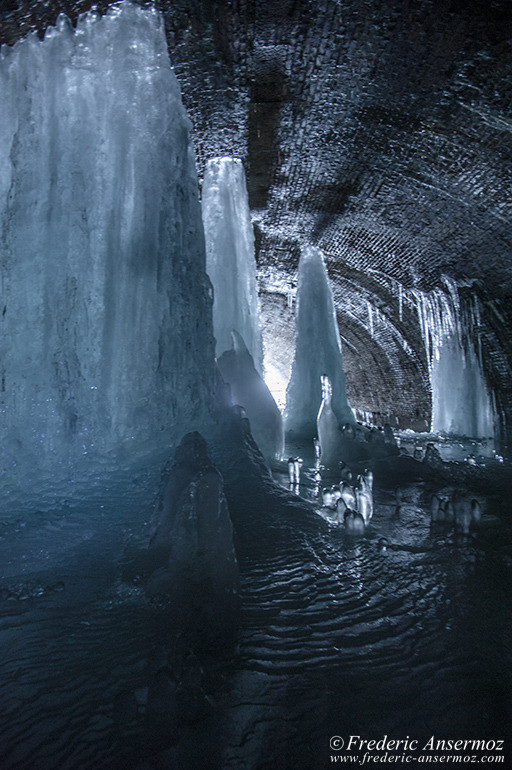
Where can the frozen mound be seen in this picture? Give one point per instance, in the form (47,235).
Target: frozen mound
(106,350)
(249,390)
(348,443)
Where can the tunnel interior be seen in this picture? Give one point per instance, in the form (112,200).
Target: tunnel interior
(172,593)
(380,136)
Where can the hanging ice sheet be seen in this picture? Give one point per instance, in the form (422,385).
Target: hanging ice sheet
(461,403)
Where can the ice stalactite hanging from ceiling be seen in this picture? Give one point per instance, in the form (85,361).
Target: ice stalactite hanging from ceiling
(106,350)
(461,402)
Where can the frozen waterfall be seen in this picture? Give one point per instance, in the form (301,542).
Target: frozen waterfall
(461,403)
(230,258)
(107,348)
(317,350)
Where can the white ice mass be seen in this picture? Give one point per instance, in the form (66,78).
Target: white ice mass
(461,403)
(230,259)
(317,350)
(106,351)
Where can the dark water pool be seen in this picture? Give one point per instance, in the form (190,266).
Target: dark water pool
(338,637)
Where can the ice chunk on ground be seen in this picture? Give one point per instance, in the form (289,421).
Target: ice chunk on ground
(231,263)
(250,391)
(317,350)
(328,429)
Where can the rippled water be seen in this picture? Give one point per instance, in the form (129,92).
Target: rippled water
(337,637)
(411,640)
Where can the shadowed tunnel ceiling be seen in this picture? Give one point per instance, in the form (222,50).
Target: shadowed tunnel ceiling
(378,131)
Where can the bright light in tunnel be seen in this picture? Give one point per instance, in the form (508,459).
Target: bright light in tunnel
(276,383)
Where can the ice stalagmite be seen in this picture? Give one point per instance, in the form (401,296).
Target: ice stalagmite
(106,350)
(317,350)
(328,430)
(230,259)
(461,403)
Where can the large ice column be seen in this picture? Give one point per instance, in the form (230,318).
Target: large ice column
(106,350)
(317,350)
(461,403)
(230,259)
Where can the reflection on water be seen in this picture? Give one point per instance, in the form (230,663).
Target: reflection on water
(339,635)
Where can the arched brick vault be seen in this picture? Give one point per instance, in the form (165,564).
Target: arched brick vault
(379,131)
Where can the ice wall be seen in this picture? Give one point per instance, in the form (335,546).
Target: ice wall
(461,403)
(317,350)
(230,258)
(106,347)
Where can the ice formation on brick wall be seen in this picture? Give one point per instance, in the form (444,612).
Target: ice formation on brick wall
(461,402)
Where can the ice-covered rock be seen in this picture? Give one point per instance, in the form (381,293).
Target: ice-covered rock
(106,345)
(192,550)
(231,263)
(317,350)
(191,459)
(250,391)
